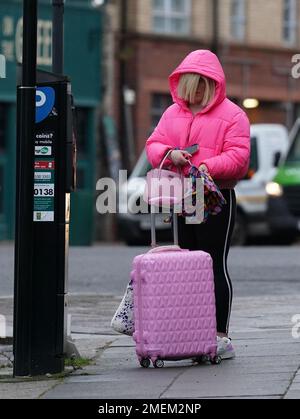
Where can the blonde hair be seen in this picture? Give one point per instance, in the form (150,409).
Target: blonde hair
(188,85)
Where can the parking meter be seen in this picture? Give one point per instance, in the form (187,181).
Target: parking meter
(54,179)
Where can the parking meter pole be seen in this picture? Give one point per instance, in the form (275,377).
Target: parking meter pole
(58,36)
(24,195)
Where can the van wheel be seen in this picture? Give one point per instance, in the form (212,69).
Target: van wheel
(240,233)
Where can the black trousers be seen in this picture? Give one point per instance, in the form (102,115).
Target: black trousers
(214,237)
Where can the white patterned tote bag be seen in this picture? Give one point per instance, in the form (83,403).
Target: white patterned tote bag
(123,320)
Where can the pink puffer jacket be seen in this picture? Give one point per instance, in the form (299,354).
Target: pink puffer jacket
(221,129)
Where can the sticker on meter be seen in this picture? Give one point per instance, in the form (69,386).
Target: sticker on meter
(44,176)
(42,150)
(43,216)
(45,189)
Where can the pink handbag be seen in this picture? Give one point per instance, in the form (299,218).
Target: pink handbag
(164,188)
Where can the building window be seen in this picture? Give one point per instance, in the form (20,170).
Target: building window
(171,16)
(289,21)
(294,153)
(238,19)
(160,102)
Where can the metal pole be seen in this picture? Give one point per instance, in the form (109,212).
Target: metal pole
(175,226)
(122,82)
(24,194)
(58,36)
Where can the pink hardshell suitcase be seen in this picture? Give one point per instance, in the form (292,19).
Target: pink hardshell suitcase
(174,304)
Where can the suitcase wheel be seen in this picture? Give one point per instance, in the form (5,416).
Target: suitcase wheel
(216,360)
(145,363)
(202,359)
(158,363)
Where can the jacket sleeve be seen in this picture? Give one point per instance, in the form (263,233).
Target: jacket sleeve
(233,162)
(158,144)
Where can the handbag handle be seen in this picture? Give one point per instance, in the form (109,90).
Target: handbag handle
(179,169)
(165,157)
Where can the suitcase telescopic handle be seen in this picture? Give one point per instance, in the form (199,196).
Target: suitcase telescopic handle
(153,231)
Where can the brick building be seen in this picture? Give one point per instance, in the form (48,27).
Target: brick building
(255,42)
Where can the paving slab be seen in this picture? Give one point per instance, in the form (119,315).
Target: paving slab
(266,366)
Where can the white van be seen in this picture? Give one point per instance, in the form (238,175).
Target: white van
(269,143)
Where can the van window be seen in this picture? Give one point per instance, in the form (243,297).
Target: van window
(254,155)
(142,166)
(294,153)
(253,165)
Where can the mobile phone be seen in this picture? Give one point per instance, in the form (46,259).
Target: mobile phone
(192,149)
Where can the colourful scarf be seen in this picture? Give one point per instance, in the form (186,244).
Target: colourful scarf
(213,198)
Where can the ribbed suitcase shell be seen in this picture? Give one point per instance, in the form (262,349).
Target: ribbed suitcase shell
(174,305)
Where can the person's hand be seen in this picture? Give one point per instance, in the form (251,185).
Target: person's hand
(203,168)
(178,157)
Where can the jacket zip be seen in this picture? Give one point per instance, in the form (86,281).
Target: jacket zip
(189,132)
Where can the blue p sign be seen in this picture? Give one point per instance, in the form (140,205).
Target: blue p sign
(45,99)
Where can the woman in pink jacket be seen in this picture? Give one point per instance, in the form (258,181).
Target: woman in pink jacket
(203,115)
